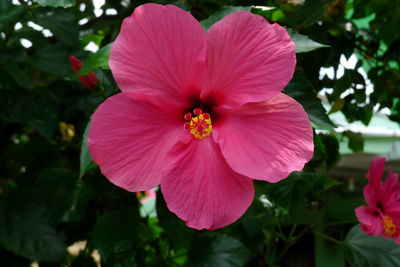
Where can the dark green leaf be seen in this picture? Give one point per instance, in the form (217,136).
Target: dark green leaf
(4,5)
(55,186)
(19,76)
(86,160)
(343,83)
(60,22)
(337,105)
(18,107)
(95,38)
(302,91)
(356,141)
(332,149)
(303,43)
(67,198)
(257,215)
(319,152)
(173,227)
(363,250)
(97,60)
(56,3)
(290,191)
(52,59)
(215,249)
(80,198)
(10,16)
(25,230)
(311,11)
(116,232)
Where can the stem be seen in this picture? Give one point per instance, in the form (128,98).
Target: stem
(328,238)
(291,243)
(292,231)
(280,230)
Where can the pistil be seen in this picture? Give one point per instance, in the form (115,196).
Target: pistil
(199,126)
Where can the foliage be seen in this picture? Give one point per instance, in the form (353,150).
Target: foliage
(364,250)
(52,194)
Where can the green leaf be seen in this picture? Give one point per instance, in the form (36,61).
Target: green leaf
(67,198)
(173,227)
(56,3)
(290,191)
(86,161)
(302,91)
(55,186)
(363,250)
(311,12)
(356,141)
(332,149)
(52,59)
(337,105)
(215,249)
(4,5)
(303,43)
(25,230)
(80,197)
(319,152)
(97,60)
(39,114)
(116,233)
(10,16)
(59,21)
(19,76)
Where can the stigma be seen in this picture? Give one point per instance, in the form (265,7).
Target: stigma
(199,126)
(389,226)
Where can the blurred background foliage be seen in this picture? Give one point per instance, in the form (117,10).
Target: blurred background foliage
(56,209)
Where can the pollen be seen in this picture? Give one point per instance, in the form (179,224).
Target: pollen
(389,226)
(199,126)
(67,131)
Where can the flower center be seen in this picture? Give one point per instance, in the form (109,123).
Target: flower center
(199,126)
(389,226)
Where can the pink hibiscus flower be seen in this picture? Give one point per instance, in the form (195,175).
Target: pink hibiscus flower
(200,113)
(381,216)
(90,80)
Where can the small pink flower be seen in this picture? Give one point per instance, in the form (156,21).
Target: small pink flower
(200,113)
(381,216)
(90,80)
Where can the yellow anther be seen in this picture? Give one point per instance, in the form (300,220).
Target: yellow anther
(200,127)
(67,131)
(389,226)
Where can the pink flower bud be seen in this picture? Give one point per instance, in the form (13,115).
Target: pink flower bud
(90,80)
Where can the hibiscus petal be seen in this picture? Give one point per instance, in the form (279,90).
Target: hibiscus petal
(375,172)
(249,60)
(372,196)
(90,80)
(391,194)
(266,140)
(129,139)
(391,186)
(160,52)
(371,224)
(200,187)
